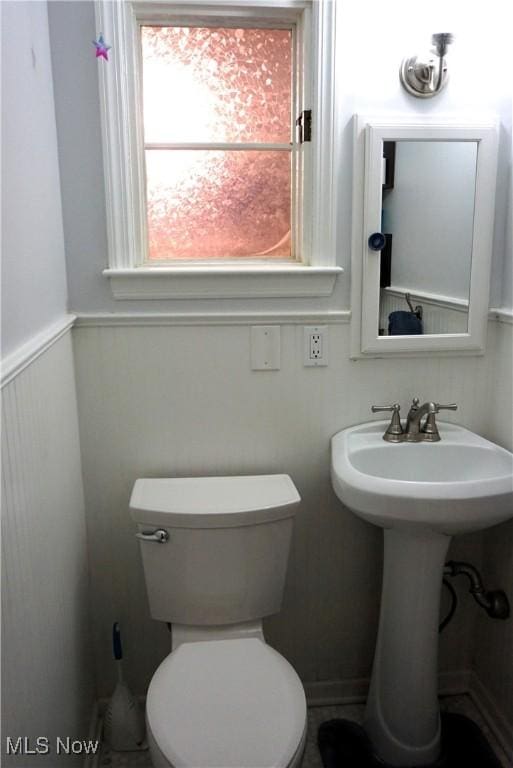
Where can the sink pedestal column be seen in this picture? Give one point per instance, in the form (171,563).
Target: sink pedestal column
(402,718)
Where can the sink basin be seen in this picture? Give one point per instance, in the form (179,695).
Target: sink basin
(421,494)
(461,484)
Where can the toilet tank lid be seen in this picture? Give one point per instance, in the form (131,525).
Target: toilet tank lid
(213,502)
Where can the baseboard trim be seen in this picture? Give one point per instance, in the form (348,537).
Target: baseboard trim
(336,692)
(492,714)
(25,354)
(454,683)
(327,693)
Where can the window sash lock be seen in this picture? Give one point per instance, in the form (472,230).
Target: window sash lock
(304,125)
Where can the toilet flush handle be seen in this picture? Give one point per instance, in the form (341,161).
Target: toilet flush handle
(160,536)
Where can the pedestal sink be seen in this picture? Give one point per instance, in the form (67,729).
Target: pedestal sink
(421,494)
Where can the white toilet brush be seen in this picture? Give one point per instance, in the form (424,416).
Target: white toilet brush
(124,728)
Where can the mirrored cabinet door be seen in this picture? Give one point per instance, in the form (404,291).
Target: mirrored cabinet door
(428,189)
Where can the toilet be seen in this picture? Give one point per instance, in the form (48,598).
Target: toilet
(214,552)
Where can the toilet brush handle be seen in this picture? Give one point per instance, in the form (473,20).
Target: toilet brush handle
(116,642)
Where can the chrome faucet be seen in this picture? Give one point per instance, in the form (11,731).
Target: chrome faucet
(414,431)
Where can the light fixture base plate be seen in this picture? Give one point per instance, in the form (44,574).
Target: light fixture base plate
(415,77)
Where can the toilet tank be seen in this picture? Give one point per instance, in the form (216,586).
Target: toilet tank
(226,556)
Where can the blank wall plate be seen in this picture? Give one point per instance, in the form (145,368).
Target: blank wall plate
(315,347)
(265,348)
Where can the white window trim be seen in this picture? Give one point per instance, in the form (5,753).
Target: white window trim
(122,138)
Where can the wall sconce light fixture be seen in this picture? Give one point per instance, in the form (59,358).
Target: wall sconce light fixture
(426,79)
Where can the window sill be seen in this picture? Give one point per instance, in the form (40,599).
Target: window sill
(223,282)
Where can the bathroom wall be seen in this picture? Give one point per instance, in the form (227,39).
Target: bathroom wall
(368,58)
(32,239)
(47,665)
(47,687)
(492,653)
(493,650)
(169,400)
(436,318)
(431,215)
(171,395)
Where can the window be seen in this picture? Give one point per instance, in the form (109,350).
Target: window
(211,191)
(217,107)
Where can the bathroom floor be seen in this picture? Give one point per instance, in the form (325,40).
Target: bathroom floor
(316,715)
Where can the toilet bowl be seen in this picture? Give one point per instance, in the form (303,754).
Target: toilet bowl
(215,553)
(226,704)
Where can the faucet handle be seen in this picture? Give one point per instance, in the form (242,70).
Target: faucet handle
(430,429)
(394,430)
(378,408)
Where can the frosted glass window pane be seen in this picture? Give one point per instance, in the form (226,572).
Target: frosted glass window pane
(216,84)
(212,204)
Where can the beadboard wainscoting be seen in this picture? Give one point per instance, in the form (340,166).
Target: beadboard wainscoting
(439,315)
(493,649)
(47,665)
(182,400)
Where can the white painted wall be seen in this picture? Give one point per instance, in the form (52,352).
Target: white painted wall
(493,652)
(372,44)
(507,283)
(430,213)
(47,679)
(34,291)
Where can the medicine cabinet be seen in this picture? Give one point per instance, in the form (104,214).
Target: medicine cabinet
(423,216)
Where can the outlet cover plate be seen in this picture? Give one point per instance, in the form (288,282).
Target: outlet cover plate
(265,348)
(315,345)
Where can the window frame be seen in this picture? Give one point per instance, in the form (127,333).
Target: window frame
(123,142)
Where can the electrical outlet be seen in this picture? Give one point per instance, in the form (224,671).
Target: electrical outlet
(315,346)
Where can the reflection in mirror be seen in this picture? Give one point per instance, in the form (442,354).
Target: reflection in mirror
(431,187)
(428,218)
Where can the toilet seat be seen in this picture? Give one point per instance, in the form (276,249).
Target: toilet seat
(226,704)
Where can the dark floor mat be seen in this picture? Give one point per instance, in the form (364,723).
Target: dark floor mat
(344,744)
